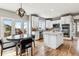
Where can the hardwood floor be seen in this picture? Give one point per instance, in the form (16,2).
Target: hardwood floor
(69,48)
(64,50)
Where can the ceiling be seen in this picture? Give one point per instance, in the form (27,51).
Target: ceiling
(47,10)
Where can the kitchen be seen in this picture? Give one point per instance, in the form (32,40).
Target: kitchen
(52,32)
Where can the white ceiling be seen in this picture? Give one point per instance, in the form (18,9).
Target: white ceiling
(46,10)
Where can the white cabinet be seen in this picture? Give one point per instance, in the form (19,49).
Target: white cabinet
(60,39)
(42,24)
(48,24)
(66,19)
(37,35)
(53,39)
(35,21)
(63,20)
(56,21)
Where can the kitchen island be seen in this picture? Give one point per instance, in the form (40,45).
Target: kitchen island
(53,39)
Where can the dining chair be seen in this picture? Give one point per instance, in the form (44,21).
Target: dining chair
(5,45)
(1,47)
(33,39)
(25,44)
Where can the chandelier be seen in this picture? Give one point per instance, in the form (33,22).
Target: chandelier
(20,11)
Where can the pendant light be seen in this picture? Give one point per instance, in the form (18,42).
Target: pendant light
(20,11)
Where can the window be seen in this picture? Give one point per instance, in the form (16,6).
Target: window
(25,28)
(18,30)
(7,27)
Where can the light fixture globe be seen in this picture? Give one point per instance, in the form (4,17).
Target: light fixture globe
(21,12)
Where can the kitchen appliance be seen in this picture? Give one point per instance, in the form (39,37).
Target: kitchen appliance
(66,30)
(56,27)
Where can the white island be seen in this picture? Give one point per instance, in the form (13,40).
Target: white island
(53,39)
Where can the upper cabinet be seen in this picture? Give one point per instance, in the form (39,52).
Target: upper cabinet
(76,17)
(63,20)
(42,23)
(66,20)
(38,23)
(56,21)
(48,24)
(35,21)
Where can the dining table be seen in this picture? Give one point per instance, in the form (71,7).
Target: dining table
(16,39)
